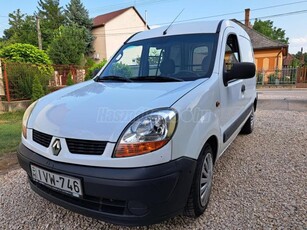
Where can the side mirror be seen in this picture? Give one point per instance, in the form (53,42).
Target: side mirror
(241,70)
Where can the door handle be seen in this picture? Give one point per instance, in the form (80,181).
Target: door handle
(243,88)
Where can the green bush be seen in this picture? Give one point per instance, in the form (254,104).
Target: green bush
(95,67)
(23,62)
(69,80)
(272,78)
(259,78)
(37,89)
(120,69)
(19,52)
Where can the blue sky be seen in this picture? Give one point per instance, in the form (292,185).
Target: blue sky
(160,12)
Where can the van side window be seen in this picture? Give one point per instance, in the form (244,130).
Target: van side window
(232,52)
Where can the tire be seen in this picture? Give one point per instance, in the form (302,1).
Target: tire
(248,127)
(202,183)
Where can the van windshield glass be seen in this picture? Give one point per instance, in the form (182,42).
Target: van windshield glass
(170,58)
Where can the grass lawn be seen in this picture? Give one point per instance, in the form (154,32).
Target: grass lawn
(10,131)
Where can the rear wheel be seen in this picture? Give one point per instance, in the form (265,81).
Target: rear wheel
(249,124)
(202,183)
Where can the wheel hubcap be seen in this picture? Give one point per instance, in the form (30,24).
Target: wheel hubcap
(206,179)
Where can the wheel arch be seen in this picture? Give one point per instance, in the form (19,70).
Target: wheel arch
(255,103)
(213,142)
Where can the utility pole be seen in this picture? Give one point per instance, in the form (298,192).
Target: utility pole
(39,33)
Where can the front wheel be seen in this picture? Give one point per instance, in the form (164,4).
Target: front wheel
(248,127)
(202,183)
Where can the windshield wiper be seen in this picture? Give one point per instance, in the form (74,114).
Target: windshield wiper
(156,78)
(113,78)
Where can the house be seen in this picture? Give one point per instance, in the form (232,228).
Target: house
(111,30)
(268,53)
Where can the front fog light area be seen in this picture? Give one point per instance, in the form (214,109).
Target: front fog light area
(149,132)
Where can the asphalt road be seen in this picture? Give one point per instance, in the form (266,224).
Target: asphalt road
(289,100)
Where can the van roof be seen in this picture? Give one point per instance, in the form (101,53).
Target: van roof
(184,28)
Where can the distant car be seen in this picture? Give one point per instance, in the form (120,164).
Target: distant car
(137,144)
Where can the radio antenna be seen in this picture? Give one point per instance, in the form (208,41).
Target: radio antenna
(165,31)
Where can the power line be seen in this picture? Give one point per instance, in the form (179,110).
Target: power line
(237,12)
(280,15)
(131,3)
(275,6)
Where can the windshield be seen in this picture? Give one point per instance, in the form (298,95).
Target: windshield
(170,58)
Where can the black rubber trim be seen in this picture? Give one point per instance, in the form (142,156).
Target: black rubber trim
(146,195)
(234,126)
(218,29)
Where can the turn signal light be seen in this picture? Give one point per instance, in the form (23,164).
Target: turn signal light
(128,150)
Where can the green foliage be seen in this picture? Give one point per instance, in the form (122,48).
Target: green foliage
(10,129)
(22,30)
(120,69)
(68,46)
(21,76)
(94,68)
(51,15)
(77,15)
(69,80)
(24,53)
(266,28)
(25,61)
(272,78)
(37,89)
(259,78)
(302,57)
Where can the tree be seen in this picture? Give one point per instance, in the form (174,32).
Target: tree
(22,29)
(77,15)
(266,28)
(37,89)
(301,57)
(51,16)
(68,46)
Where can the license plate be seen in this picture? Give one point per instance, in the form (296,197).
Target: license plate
(62,183)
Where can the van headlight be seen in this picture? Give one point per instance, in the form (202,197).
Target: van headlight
(147,133)
(25,118)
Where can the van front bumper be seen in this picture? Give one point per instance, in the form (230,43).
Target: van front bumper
(125,196)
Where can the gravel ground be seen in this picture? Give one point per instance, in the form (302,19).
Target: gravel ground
(259,183)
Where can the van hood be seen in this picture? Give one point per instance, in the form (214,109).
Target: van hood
(101,110)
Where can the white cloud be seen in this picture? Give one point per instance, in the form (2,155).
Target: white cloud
(297,43)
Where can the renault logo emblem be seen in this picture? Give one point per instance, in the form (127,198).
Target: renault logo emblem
(56,147)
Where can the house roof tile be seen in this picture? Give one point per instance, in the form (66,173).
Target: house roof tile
(103,19)
(260,41)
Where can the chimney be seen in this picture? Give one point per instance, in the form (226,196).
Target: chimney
(247,11)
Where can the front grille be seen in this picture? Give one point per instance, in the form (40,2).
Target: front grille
(41,138)
(111,206)
(86,146)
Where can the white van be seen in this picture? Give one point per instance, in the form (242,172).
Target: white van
(137,144)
